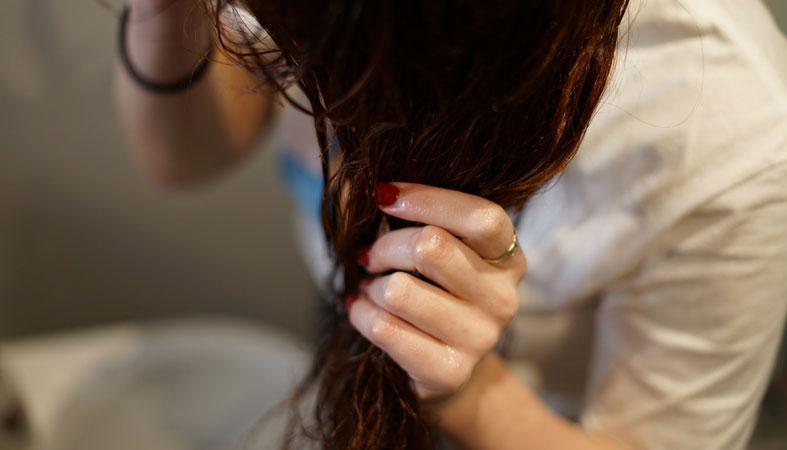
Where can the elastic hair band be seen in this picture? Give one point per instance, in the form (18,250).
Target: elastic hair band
(154,86)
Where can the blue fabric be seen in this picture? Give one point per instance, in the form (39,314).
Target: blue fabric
(305,186)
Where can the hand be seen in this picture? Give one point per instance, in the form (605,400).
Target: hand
(438,334)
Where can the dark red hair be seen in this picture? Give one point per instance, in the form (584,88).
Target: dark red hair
(490,98)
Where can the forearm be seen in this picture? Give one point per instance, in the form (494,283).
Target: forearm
(185,137)
(497,411)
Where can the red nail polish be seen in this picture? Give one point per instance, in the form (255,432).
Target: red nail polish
(348,302)
(363,256)
(386,194)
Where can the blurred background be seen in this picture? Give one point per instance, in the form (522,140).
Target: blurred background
(84,238)
(86,241)
(93,256)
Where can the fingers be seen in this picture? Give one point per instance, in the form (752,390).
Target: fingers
(447,261)
(438,333)
(433,311)
(481,224)
(433,364)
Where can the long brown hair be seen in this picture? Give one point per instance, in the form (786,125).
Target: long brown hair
(490,98)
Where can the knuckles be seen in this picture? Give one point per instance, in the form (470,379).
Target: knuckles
(508,305)
(454,374)
(487,338)
(397,292)
(492,222)
(520,264)
(382,330)
(430,247)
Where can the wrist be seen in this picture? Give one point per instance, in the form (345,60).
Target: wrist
(497,410)
(166,20)
(166,40)
(460,411)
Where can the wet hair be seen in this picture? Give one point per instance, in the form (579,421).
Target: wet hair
(490,98)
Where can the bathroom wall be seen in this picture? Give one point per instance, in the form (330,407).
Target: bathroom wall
(84,239)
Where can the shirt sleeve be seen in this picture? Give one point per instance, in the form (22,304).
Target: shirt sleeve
(685,344)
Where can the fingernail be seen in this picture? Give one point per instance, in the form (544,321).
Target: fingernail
(386,194)
(348,302)
(363,256)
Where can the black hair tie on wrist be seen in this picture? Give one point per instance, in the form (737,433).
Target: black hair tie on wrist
(154,86)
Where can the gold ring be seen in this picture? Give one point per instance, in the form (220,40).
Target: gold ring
(510,251)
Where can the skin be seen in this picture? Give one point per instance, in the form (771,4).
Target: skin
(444,337)
(408,317)
(189,138)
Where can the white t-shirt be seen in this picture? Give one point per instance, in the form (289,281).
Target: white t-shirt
(657,284)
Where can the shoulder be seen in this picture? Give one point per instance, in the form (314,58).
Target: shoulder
(696,106)
(697,85)
(686,342)
(690,120)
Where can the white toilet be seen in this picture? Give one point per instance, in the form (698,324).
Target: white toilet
(197,384)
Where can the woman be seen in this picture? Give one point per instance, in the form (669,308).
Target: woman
(663,231)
